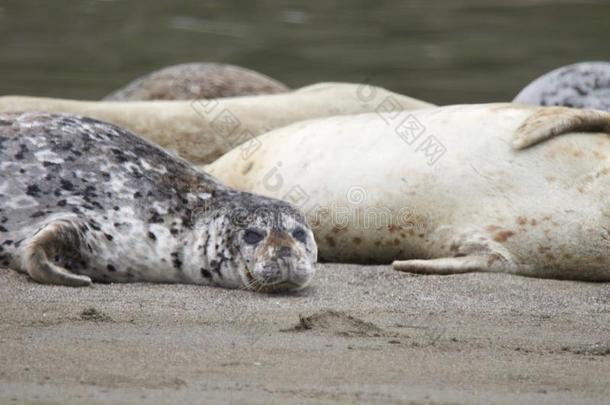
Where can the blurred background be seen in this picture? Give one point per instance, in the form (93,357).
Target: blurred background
(442,51)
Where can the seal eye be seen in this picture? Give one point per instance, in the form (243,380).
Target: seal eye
(300,235)
(253,236)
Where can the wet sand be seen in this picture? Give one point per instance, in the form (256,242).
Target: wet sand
(357,335)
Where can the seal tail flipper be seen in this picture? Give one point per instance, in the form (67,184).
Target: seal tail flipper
(443,266)
(47,241)
(548,122)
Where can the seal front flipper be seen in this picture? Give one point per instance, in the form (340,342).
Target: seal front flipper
(468,251)
(548,122)
(59,240)
(445,265)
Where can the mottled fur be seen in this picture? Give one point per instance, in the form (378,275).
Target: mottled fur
(581,85)
(83,200)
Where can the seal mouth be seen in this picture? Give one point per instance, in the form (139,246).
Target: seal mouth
(281,286)
(276,287)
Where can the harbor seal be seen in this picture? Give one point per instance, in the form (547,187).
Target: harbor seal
(83,201)
(581,85)
(449,189)
(202,131)
(192,81)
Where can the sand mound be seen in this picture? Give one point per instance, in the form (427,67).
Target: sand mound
(339,324)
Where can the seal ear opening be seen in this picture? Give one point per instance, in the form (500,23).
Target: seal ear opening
(37,264)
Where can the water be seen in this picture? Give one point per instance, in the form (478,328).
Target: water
(443,51)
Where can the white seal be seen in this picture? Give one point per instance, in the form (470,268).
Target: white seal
(446,190)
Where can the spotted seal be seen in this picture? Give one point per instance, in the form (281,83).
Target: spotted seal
(449,189)
(191,81)
(83,201)
(202,131)
(581,85)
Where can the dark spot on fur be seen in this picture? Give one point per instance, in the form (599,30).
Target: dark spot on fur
(22,149)
(111,268)
(502,236)
(248,167)
(33,190)
(119,155)
(205,273)
(3,229)
(152,236)
(176,261)
(109,237)
(66,185)
(155,217)
(37,214)
(137,194)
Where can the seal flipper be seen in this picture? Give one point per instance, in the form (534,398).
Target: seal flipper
(444,265)
(56,238)
(548,122)
(469,251)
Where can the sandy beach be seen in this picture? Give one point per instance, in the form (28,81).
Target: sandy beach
(356,335)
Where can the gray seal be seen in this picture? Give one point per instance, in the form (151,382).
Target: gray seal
(192,81)
(82,201)
(581,85)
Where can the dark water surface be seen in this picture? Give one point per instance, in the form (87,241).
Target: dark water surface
(444,51)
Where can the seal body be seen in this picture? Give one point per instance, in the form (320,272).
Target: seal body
(192,81)
(82,201)
(203,130)
(581,85)
(449,189)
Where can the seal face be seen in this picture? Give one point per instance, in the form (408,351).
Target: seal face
(581,85)
(82,201)
(192,81)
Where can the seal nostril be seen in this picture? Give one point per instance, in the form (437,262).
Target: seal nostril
(285,251)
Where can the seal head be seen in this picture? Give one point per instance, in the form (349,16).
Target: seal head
(270,244)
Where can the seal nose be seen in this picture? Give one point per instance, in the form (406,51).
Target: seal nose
(285,251)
